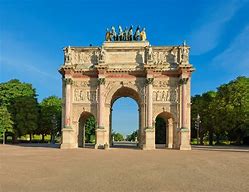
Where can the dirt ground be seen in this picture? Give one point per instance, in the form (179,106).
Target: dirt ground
(25,168)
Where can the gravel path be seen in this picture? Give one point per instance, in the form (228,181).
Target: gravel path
(51,169)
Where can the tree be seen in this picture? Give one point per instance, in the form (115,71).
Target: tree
(132,137)
(234,99)
(117,136)
(12,89)
(25,115)
(6,124)
(49,117)
(90,126)
(204,105)
(225,112)
(20,100)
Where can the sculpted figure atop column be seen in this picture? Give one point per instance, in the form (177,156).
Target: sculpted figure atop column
(185,53)
(67,54)
(102,55)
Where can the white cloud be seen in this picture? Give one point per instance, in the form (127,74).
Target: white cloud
(235,58)
(206,36)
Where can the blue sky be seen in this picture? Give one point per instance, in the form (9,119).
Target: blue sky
(33,33)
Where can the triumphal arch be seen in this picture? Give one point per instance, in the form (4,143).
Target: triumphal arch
(158,78)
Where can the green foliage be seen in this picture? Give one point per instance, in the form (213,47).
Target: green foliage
(234,101)
(118,136)
(13,89)
(6,124)
(21,102)
(50,116)
(225,112)
(132,137)
(90,126)
(25,115)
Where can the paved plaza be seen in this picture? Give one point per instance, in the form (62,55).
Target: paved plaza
(26,168)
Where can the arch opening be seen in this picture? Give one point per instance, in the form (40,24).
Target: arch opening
(86,130)
(164,130)
(124,118)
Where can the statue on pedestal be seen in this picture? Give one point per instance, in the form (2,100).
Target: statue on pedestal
(185,53)
(149,55)
(67,54)
(102,55)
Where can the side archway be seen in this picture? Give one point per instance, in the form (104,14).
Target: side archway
(86,129)
(164,125)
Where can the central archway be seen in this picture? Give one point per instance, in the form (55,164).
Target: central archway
(124,92)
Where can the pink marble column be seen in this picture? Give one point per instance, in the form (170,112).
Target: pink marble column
(101,103)
(184,103)
(68,83)
(185,130)
(149,102)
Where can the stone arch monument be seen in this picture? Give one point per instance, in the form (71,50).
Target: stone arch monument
(157,77)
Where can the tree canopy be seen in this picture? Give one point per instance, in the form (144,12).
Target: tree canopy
(224,113)
(49,116)
(6,124)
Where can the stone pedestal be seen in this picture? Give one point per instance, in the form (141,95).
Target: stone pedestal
(149,139)
(100,138)
(68,139)
(184,136)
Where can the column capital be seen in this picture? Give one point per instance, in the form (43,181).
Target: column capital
(68,81)
(183,81)
(101,81)
(149,81)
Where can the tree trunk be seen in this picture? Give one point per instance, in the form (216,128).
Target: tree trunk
(30,138)
(201,139)
(43,137)
(14,139)
(217,139)
(210,136)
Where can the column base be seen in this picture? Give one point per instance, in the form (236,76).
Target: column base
(68,141)
(170,146)
(185,142)
(149,139)
(68,146)
(100,138)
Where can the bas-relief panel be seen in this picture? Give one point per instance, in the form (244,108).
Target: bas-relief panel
(83,95)
(89,83)
(166,95)
(125,57)
(165,91)
(81,57)
(84,92)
